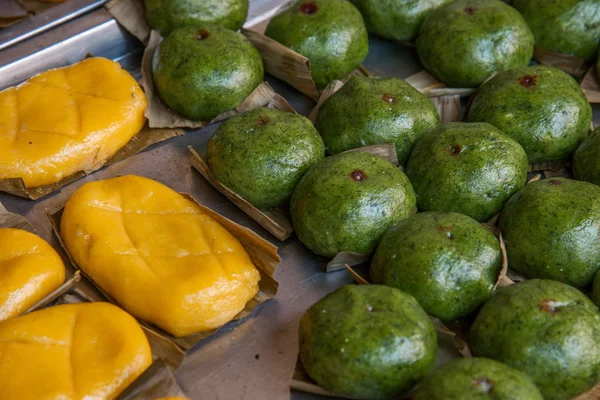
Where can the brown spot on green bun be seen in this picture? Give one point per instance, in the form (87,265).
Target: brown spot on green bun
(309,8)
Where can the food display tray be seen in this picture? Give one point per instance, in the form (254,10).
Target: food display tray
(254,359)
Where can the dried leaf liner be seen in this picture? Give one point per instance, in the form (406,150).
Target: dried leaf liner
(130,14)
(333,87)
(160,116)
(572,65)
(262,253)
(156,382)
(287,65)
(36,6)
(592,394)
(590,84)
(143,139)
(11,13)
(504,266)
(445,99)
(431,86)
(16,221)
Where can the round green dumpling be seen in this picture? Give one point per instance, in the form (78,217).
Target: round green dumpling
(396,19)
(564,26)
(551,228)
(542,108)
(548,330)
(330,33)
(447,261)
(469,168)
(166,15)
(201,72)
(466,41)
(262,154)
(367,342)
(374,110)
(586,161)
(477,379)
(346,202)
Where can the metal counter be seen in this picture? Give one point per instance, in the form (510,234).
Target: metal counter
(251,360)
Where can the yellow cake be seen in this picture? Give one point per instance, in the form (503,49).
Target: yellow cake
(71,352)
(30,269)
(67,120)
(158,254)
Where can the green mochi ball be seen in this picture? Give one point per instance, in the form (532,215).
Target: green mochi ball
(563,26)
(551,228)
(466,41)
(546,329)
(396,19)
(374,110)
(447,261)
(367,342)
(469,168)
(330,33)
(477,379)
(347,201)
(166,15)
(542,108)
(586,161)
(262,154)
(201,72)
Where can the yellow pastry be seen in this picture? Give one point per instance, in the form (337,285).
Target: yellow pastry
(158,254)
(67,120)
(30,269)
(71,352)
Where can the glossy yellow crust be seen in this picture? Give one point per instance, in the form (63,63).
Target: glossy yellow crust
(157,254)
(71,351)
(30,269)
(67,120)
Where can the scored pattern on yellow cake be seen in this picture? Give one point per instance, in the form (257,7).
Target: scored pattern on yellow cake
(68,120)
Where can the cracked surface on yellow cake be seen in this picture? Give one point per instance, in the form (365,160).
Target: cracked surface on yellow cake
(158,254)
(71,352)
(30,269)
(67,120)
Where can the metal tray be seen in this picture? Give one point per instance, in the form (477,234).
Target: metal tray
(252,360)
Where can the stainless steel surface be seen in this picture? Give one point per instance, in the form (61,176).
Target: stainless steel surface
(251,360)
(48,19)
(95,33)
